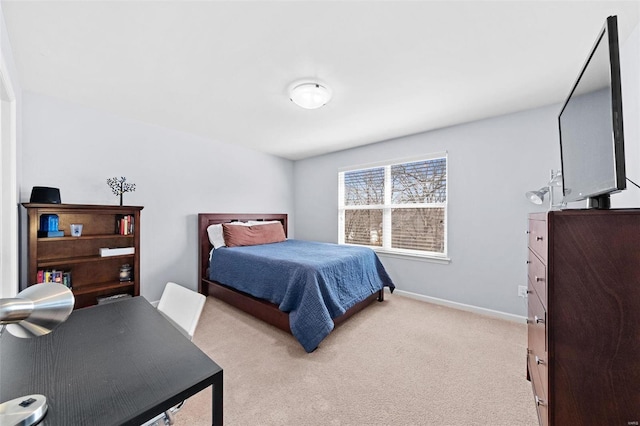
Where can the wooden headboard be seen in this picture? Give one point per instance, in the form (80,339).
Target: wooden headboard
(206,219)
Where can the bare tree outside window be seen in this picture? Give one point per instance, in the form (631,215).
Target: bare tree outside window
(364,188)
(363,227)
(418,229)
(421,182)
(400,207)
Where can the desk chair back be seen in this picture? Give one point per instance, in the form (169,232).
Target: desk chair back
(182,307)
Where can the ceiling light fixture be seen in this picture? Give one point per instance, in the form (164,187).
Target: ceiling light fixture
(310,95)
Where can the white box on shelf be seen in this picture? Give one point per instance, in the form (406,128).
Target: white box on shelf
(104,252)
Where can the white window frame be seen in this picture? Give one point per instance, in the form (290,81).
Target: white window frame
(387,208)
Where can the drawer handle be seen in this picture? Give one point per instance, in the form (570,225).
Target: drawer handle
(538,238)
(539,360)
(538,279)
(540,401)
(538,320)
(528,262)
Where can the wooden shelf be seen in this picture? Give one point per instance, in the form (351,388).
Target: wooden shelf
(46,263)
(91,275)
(85,237)
(101,287)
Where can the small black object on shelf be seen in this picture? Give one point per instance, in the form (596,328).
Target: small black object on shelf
(45,195)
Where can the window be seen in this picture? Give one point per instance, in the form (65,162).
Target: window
(398,207)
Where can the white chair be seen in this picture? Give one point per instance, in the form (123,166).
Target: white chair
(182,307)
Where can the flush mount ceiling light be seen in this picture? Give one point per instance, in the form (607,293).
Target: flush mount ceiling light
(310,95)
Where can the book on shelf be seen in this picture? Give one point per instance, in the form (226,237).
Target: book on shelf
(124,224)
(50,234)
(120,251)
(54,276)
(49,222)
(66,279)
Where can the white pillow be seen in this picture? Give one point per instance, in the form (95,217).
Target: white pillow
(216,238)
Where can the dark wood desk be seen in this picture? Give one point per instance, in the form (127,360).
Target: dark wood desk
(113,364)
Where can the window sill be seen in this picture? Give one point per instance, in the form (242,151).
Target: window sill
(410,256)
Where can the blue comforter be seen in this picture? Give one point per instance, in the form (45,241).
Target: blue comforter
(314,282)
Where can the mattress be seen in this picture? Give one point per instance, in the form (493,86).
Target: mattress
(313,282)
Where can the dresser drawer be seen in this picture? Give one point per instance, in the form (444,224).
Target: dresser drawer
(536,327)
(539,371)
(537,274)
(540,390)
(538,238)
(537,356)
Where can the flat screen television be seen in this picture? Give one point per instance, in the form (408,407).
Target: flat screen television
(591,132)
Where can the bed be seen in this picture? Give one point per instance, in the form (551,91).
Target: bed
(297,298)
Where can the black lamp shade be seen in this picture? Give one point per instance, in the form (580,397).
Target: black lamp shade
(46,195)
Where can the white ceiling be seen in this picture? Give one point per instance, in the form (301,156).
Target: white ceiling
(221,69)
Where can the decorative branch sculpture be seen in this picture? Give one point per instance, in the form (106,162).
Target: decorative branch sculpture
(120,186)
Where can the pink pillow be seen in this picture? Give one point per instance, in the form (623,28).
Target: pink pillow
(235,236)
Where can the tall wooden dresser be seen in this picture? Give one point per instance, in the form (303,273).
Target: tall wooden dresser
(583,355)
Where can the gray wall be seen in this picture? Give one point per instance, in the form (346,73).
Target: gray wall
(177,176)
(492,163)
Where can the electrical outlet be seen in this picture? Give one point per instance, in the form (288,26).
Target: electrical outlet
(522,291)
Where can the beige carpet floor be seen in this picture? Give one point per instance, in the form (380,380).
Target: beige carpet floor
(400,362)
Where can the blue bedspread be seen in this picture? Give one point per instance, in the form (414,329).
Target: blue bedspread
(314,282)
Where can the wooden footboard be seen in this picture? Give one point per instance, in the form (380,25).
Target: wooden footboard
(259,308)
(269,312)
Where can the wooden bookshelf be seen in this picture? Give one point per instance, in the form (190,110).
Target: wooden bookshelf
(92,275)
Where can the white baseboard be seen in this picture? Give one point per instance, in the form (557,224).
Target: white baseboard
(462,306)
